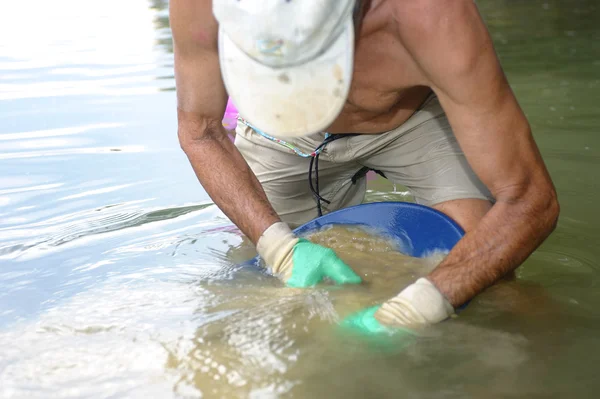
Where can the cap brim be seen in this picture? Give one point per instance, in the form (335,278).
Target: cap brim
(290,101)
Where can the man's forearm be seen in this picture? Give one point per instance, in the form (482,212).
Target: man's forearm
(226,177)
(504,238)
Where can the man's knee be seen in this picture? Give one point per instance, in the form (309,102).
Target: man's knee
(466,212)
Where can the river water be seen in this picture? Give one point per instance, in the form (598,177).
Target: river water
(118,276)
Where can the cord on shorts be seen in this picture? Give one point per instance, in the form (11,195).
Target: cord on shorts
(314,161)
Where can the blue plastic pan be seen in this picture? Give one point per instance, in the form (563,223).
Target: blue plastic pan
(417,229)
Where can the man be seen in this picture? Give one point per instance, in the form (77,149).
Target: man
(411,88)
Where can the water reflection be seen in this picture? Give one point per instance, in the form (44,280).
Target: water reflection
(161,23)
(99,48)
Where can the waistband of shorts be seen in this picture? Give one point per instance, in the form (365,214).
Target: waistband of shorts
(291,146)
(310,154)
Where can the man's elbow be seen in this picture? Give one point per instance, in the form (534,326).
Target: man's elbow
(192,133)
(186,140)
(535,204)
(553,212)
(546,210)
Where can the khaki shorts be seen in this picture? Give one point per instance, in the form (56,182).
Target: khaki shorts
(422,154)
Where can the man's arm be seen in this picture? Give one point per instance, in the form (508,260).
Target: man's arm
(201,99)
(220,167)
(454,51)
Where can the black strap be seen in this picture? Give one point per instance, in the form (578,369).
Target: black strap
(363,172)
(314,162)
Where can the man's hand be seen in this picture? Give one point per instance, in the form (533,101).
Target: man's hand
(364,323)
(300,263)
(418,305)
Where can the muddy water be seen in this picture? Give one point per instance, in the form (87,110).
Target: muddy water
(271,339)
(245,335)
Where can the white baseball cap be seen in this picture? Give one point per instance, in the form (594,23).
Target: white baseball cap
(286,64)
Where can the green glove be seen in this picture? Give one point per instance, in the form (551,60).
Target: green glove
(416,306)
(300,263)
(312,263)
(364,322)
(379,337)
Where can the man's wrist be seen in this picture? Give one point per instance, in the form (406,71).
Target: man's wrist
(429,300)
(258,229)
(420,303)
(454,294)
(275,247)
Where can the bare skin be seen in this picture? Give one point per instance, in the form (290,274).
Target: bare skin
(405,49)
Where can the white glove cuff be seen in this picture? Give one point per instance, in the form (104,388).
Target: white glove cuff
(275,246)
(427,300)
(418,304)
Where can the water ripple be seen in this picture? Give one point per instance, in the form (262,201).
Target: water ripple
(89,223)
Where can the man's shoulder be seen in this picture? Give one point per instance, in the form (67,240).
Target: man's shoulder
(425,7)
(427,14)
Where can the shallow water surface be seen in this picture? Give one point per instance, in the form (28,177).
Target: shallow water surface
(119,278)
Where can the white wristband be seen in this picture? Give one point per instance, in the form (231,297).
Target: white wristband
(419,303)
(276,246)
